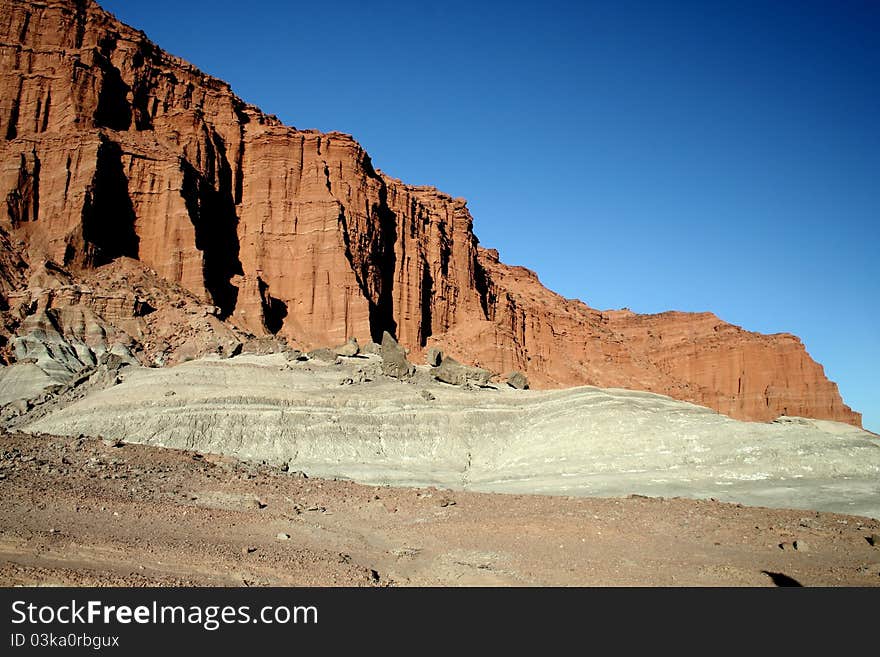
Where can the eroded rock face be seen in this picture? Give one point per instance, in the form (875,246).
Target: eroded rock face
(112,150)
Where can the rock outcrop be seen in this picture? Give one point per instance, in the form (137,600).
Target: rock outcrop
(115,151)
(394,361)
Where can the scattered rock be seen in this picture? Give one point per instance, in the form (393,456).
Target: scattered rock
(229,349)
(349,349)
(323,355)
(798,545)
(446,501)
(455,373)
(434,357)
(365,375)
(518,380)
(252,503)
(22,406)
(264,345)
(371,348)
(406,552)
(394,362)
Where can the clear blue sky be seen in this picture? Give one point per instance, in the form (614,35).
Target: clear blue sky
(654,155)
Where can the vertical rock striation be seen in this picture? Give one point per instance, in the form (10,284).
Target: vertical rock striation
(112,149)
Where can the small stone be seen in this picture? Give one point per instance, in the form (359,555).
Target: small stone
(518,380)
(323,355)
(394,362)
(455,373)
(281,536)
(112,442)
(371,348)
(873,540)
(444,502)
(170,393)
(427,395)
(434,357)
(349,349)
(801,546)
(248,550)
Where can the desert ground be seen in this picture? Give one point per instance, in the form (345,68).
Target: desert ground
(78,511)
(292,469)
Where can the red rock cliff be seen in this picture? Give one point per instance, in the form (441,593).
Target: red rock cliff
(113,149)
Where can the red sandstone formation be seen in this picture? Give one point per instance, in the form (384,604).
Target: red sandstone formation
(113,151)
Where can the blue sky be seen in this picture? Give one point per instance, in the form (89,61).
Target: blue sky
(653,155)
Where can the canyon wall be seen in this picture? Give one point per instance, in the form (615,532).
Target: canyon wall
(112,150)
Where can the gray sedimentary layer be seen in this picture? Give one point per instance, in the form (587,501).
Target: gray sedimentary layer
(580,441)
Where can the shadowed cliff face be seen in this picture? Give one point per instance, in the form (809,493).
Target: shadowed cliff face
(108,216)
(114,148)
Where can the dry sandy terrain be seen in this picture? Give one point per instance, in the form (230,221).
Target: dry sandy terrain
(79,511)
(419,483)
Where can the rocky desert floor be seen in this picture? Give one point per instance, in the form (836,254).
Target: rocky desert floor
(77,511)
